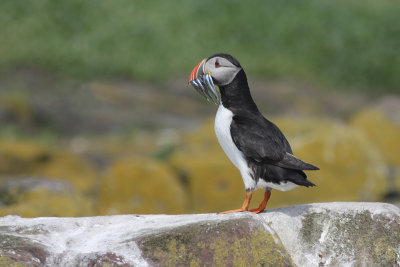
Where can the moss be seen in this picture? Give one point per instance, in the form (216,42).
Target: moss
(368,238)
(6,261)
(239,242)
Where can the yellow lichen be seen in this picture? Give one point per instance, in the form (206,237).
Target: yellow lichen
(140,186)
(351,168)
(42,202)
(172,253)
(8,262)
(21,157)
(32,159)
(381,132)
(197,176)
(221,250)
(384,134)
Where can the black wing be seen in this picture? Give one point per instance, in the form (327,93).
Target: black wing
(262,141)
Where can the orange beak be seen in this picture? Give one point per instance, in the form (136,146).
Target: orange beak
(197,72)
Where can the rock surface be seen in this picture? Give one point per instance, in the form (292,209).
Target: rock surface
(324,234)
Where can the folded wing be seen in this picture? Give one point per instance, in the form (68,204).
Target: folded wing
(262,141)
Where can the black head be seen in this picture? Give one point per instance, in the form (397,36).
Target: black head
(228,57)
(227,73)
(223,68)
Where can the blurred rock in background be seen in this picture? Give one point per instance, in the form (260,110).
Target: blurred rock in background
(96,116)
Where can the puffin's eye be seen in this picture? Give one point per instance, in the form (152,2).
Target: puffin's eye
(217,64)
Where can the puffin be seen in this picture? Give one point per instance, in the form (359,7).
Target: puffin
(255,145)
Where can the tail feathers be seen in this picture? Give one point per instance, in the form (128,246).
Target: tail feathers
(300,178)
(277,174)
(307,183)
(291,162)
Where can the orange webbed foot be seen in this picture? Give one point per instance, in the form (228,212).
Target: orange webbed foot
(245,205)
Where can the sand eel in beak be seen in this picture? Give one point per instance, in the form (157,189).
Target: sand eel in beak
(204,84)
(255,145)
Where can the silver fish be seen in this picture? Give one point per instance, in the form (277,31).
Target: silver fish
(205,86)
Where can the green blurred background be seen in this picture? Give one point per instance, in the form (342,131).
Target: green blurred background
(96,116)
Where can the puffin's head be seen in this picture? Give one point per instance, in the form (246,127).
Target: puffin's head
(218,69)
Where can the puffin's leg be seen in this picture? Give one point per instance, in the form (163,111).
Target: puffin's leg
(263,204)
(245,205)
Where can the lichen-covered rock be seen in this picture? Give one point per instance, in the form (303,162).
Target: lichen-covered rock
(384,133)
(136,185)
(381,131)
(24,255)
(22,158)
(241,241)
(351,167)
(40,196)
(211,179)
(339,234)
(325,234)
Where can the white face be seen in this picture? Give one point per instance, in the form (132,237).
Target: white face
(221,69)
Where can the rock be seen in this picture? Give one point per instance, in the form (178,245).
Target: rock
(325,234)
(344,155)
(235,241)
(382,127)
(136,185)
(26,158)
(32,196)
(339,234)
(381,131)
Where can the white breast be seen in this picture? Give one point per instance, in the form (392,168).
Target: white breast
(222,127)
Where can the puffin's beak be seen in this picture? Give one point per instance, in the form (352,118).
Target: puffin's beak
(195,72)
(203,83)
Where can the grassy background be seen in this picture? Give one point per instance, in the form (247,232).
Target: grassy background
(350,44)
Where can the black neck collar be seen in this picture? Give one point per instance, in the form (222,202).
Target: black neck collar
(236,95)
